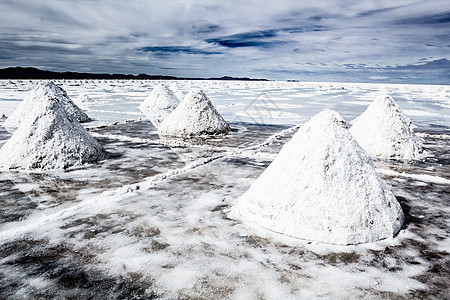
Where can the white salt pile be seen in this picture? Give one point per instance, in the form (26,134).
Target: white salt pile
(44,92)
(49,138)
(174,86)
(323,187)
(180,95)
(384,130)
(159,104)
(195,115)
(177,91)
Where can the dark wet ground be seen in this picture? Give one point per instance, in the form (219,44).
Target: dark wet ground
(128,161)
(70,267)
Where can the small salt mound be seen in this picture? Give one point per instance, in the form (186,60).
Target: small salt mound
(159,104)
(323,187)
(195,115)
(49,138)
(383,130)
(40,95)
(82,100)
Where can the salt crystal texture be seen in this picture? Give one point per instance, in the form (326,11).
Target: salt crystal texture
(323,187)
(49,138)
(194,116)
(43,92)
(384,130)
(159,104)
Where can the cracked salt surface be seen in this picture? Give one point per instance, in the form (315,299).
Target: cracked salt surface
(153,220)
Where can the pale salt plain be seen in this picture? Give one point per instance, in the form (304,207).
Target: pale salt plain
(157,218)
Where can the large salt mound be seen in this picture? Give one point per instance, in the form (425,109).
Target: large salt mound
(383,130)
(40,95)
(49,138)
(323,187)
(159,104)
(195,115)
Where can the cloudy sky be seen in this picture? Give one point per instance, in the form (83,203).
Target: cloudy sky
(333,40)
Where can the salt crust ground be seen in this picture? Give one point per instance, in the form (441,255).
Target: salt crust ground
(323,187)
(134,244)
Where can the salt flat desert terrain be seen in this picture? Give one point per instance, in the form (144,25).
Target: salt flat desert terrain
(156,218)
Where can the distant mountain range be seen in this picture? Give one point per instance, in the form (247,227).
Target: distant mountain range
(34,73)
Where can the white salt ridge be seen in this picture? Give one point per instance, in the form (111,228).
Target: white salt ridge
(44,92)
(383,130)
(323,187)
(159,104)
(420,177)
(49,138)
(194,116)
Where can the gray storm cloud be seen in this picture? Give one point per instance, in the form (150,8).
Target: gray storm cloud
(336,40)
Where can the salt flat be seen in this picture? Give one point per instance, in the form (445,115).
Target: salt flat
(157,217)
